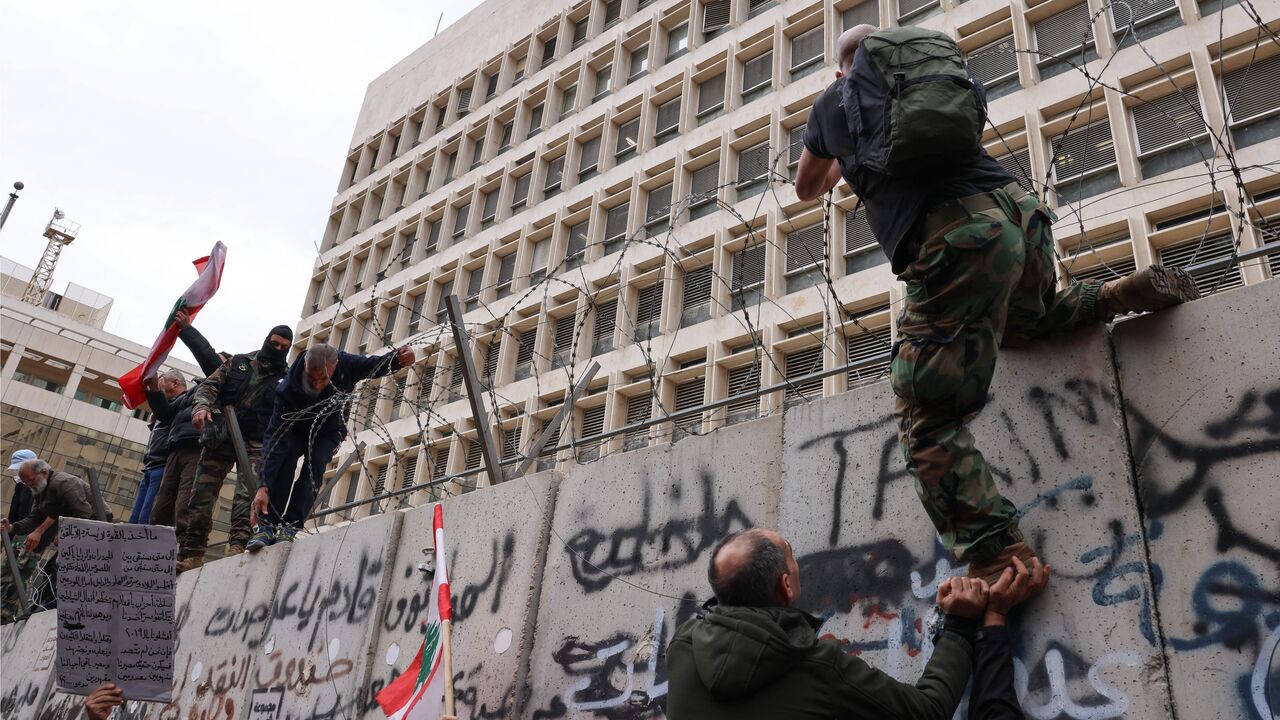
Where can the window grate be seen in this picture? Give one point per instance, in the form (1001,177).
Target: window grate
(1112,270)
(460,219)
(380,481)
(639,62)
(491,359)
(568,99)
(440,467)
(408,470)
(528,341)
(668,118)
(649,312)
(475,281)
(704,187)
(628,138)
(1139,12)
(604,81)
(475,454)
(397,401)
(748,268)
(612,12)
(798,364)
(806,248)
(1170,120)
(590,157)
(455,380)
(908,8)
(758,6)
(464,100)
(606,320)
(562,342)
(994,63)
(865,13)
(592,422)
(863,344)
(577,244)
(1018,164)
(711,96)
(753,168)
(490,210)
(506,269)
(696,301)
(511,443)
(521,193)
(742,380)
(615,226)
(548,52)
(580,31)
(715,17)
(1252,91)
(806,49)
(535,120)
(1084,150)
(795,147)
(689,393)
(1194,251)
(638,409)
(757,73)
(658,208)
(555,174)
(492,88)
(1064,33)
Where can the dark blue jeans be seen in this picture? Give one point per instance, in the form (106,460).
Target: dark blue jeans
(290,500)
(146,495)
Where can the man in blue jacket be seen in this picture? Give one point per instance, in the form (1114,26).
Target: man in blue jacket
(309,423)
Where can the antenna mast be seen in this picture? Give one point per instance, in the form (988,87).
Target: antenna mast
(60,233)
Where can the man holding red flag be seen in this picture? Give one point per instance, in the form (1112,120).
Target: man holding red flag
(425,690)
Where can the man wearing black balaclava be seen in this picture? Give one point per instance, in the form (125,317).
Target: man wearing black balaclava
(246,383)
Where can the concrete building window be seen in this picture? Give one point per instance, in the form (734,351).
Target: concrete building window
(696,298)
(912,11)
(864,13)
(1064,41)
(442,315)
(668,122)
(806,53)
(797,364)
(562,341)
(408,470)
(592,425)
(862,345)
(795,148)
(489,212)
(1171,133)
(1084,162)
(705,187)
(1253,101)
(715,18)
(588,158)
(743,380)
(490,368)
(628,139)
(547,458)
(1203,249)
(577,247)
(511,443)
(538,265)
(475,281)
(504,142)
(464,101)
(606,321)
(612,12)
(648,312)
(477,152)
(460,220)
(491,88)
(996,65)
(1209,7)
(389,325)
(455,381)
(1132,22)
(42,383)
(535,120)
(753,170)
(604,82)
(415,313)
(520,194)
(450,166)
(517,70)
(639,63)
(755,7)
(711,98)
(747,285)
(527,343)
(506,274)
(615,228)
(757,77)
(568,99)
(689,395)
(806,257)
(638,409)
(658,210)
(580,31)
(549,51)
(677,41)
(440,461)
(555,178)
(433,239)
(1018,164)
(861,251)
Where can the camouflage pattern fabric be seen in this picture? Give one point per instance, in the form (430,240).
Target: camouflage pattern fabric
(982,282)
(215,465)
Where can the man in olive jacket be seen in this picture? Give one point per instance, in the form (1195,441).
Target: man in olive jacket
(751,654)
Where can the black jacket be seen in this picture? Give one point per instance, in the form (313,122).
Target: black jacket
(740,663)
(351,369)
(993,696)
(168,429)
(248,386)
(21,503)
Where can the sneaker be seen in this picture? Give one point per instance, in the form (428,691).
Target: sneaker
(285,533)
(190,563)
(265,535)
(234,550)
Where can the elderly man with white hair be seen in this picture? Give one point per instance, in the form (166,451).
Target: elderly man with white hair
(309,423)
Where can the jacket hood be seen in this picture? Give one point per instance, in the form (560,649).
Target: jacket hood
(739,650)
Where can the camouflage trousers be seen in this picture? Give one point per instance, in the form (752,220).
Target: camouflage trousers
(211,473)
(27,564)
(980,282)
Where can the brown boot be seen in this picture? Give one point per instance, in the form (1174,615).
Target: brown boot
(993,568)
(190,563)
(1153,288)
(234,550)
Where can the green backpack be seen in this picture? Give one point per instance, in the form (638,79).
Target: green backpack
(911,104)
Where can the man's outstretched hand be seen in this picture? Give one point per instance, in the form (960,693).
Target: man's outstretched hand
(1017,585)
(963,596)
(100,702)
(406,356)
(258,508)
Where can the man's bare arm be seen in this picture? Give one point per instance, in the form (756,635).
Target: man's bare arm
(815,176)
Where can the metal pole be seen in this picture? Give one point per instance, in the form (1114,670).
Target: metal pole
(16,572)
(468,365)
(13,197)
(555,421)
(323,495)
(243,468)
(99,507)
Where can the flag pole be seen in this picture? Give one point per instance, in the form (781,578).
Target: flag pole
(446,628)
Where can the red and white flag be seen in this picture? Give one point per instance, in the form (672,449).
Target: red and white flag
(418,694)
(200,292)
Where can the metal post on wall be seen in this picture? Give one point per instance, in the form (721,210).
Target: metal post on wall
(24,606)
(99,505)
(565,408)
(468,365)
(322,497)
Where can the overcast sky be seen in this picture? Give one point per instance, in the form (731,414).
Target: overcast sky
(163,127)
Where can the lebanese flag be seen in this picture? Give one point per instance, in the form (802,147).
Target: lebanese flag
(418,694)
(201,291)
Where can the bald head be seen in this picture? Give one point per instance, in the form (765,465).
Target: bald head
(847,44)
(754,568)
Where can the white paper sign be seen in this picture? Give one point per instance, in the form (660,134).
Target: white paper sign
(116,594)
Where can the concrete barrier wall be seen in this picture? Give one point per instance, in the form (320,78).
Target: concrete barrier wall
(568,586)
